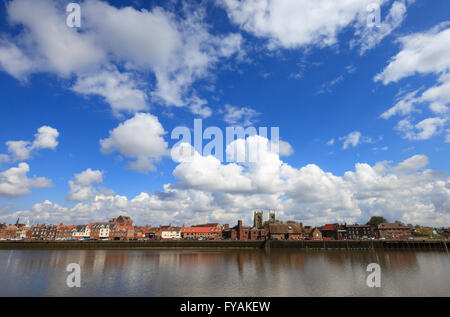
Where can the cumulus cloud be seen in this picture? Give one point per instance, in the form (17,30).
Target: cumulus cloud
(118,89)
(209,190)
(140,137)
(82,189)
(45,138)
(285,148)
(13,61)
(186,50)
(302,23)
(421,53)
(14,181)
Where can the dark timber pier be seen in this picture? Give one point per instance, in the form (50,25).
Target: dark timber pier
(349,245)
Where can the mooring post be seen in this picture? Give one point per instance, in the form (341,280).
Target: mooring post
(445,246)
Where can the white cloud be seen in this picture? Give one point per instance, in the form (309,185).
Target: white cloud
(51,45)
(116,37)
(412,164)
(285,148)
(19,149)
(243,116)
(82,189)
(302,23)
(198,107)
(423,130)
(331,142)
(4,158)
(352,139)
(118,89)
(45,138)
(421,53)
(328,86)
(140,137)
(370,37)
(13,61)
(403,107)
(211,191)
(89,177)
(14,182)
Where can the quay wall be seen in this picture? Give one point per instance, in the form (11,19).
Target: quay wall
(269,244)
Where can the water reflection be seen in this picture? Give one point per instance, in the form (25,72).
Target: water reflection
(223,273)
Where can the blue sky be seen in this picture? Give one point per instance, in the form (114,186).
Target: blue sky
(311,78)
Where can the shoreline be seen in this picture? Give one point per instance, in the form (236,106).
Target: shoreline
(442,245)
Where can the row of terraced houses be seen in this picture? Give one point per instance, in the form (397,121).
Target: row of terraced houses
(122,228)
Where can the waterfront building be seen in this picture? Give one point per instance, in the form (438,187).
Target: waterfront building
(43,232)
(22,232)
(358,232)
(121,228)
(241,232)
(316,234)
(8,232)
(195,233)
(81,232)
(394,231)
(101,230)
(258,222)
(290,231)
(333,232)
(64,232)
(174,234)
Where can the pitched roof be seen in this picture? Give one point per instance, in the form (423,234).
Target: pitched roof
(330,227)
(284,228)
(388,225)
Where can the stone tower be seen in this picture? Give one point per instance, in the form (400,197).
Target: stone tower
(258,219)
(272,219)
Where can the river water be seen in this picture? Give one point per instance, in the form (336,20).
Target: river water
(223,273)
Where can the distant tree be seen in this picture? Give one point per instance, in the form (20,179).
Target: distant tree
(375,221)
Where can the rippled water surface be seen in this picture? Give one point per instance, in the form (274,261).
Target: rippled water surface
(223,273)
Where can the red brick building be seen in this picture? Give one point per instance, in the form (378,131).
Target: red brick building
(43,232)
(240,232)
(203,232)
(64,232)
(332,232)
(8,232)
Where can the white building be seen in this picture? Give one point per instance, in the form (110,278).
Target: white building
(171,235)
(81,232)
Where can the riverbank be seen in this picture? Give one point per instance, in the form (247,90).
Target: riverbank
(275,244)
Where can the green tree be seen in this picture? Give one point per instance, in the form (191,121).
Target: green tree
(375,221)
